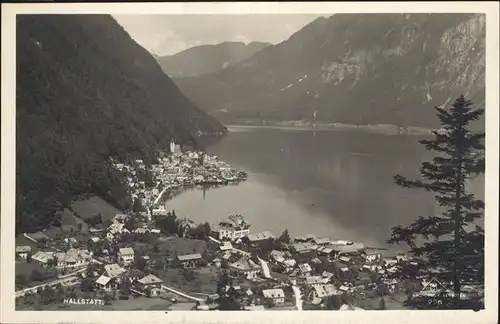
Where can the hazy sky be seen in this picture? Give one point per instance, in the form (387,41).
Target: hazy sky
(170,34)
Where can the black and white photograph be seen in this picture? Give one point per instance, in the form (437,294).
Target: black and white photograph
(316,161)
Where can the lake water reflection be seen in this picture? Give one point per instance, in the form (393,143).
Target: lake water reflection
(328,183)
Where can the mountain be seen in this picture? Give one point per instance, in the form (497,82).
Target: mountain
(353,68)
(206,59)
(85,92)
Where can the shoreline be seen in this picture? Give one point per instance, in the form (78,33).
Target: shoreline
(385,129)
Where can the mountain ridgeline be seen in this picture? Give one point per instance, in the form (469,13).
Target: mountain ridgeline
(205,59)
(85,92)
(355,69)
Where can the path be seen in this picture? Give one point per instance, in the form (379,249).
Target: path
(52,283)
(180,293)
(298,297)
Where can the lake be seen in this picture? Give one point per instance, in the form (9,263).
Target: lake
(337,184)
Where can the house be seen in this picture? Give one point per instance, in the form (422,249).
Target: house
(151,283)
(175,148)
(22,251)
(276,295)
(344,272)
(42,258)
(159,211)
(327,275)
(389,263)
(322,291)
(117,228)
(260,237)
(155,231)
(373,257)
(94,240)
(326,250)
(431,287)
(348,249)
(305,268)
(234,227)
(190,260)
(126,255)
(105,282)
(321,241)
(225,246)
(113,270)
(120,218)
(304,247)
(185,226)
(315,280)
(133,274)
(70,241)
(140,230)
(305,238)
(289,264)
(344,259)
(245,266)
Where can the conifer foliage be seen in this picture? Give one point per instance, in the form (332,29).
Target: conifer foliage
(450,246)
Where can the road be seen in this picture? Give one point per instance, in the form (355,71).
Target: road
(182,294)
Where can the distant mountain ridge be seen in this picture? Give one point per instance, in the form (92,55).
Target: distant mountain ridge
(354,69)
(206,59)
(85,91)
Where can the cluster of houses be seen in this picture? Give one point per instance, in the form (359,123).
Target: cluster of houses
(318,266)
(342,263)
(176,170)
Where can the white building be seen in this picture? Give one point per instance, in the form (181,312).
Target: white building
(234,227)
(175,148)
(160,210)
(126,255)
(276,295)
(22,251)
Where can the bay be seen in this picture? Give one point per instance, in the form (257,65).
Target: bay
(336,184)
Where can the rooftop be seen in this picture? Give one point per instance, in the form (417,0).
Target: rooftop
(103,280)
(260,236)
(23,248)
(273,293)
(234,220)
(113,270)
(150,279)
(187,257)
(325,290)
(127,251)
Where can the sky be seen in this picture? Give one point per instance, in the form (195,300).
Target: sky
(170,34)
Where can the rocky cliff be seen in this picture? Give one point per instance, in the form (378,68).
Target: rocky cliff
(354,68)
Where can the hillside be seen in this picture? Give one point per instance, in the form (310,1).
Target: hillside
(86,91)
(353,68)
(206,59)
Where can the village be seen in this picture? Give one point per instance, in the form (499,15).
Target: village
(151,258)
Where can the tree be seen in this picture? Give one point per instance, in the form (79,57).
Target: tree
(284,237)
(36,275)
(87,285)
(450,252)
(138,206)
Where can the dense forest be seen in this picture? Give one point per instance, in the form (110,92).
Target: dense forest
(85,92)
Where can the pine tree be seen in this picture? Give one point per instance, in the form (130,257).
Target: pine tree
(284,237)
(450,252)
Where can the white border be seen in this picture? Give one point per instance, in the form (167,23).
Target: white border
(8,315)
